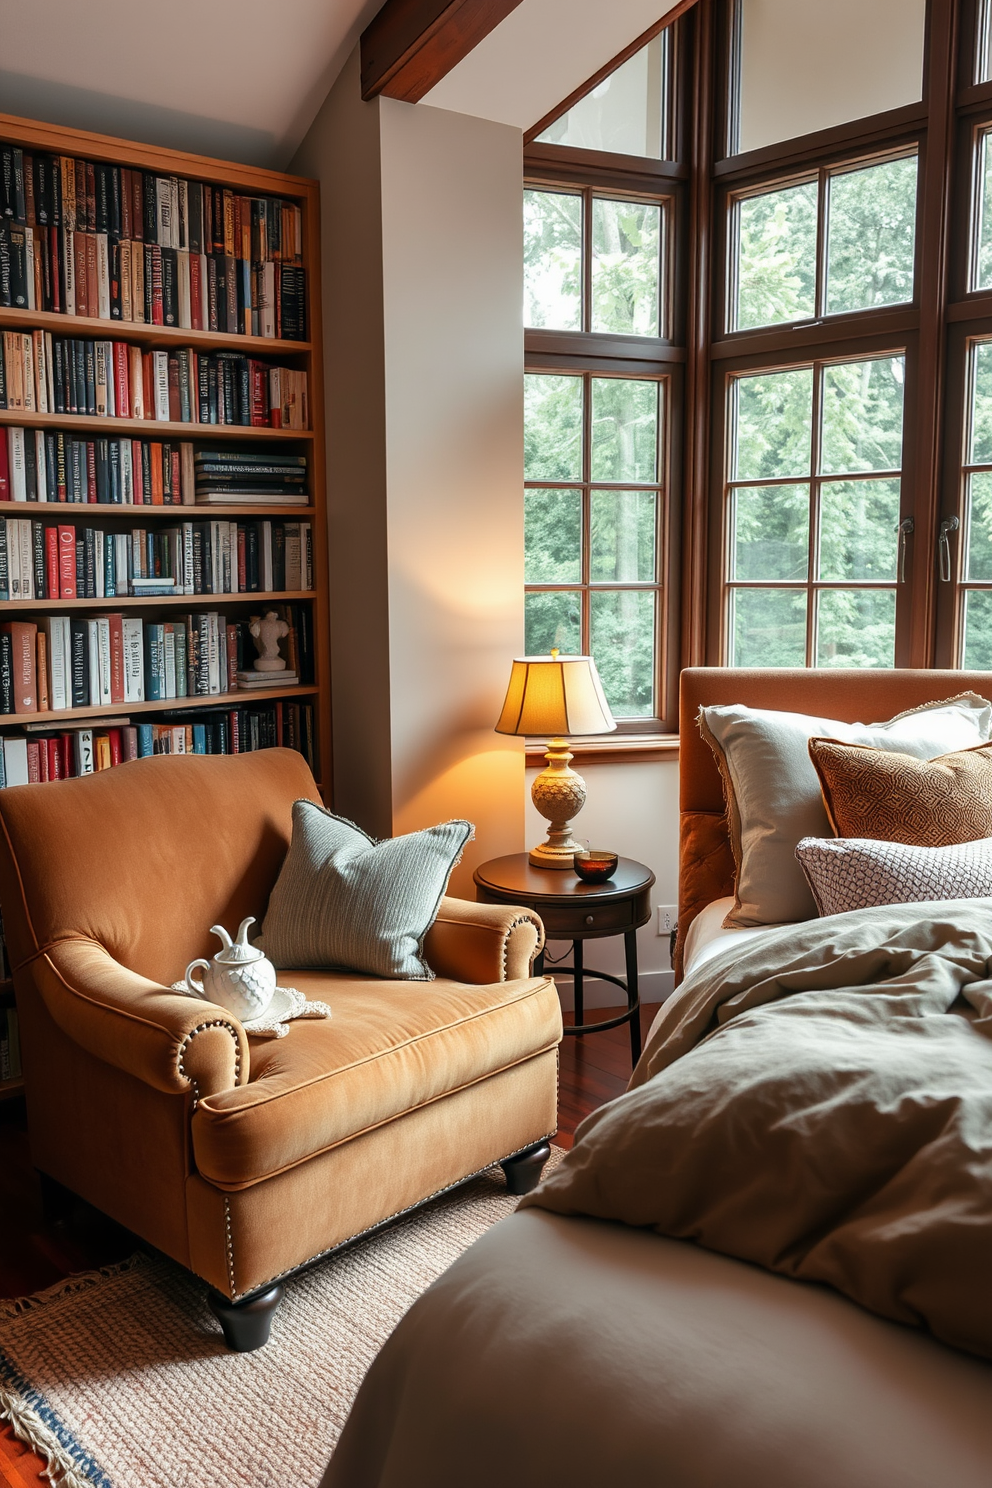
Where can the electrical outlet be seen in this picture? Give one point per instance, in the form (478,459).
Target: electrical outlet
(668,918)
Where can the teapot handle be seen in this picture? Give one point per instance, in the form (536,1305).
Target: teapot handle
(195,986)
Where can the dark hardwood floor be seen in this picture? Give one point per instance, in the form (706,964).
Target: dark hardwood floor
(36,1252)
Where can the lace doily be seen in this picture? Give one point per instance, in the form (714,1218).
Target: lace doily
(287,1003)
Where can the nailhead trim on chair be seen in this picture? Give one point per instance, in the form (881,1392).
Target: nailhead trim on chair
(514,924)
(214,1023)
(230,1245)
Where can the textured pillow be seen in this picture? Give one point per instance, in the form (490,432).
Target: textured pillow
(892,798)
(854,873)
(344,900)
(773,793)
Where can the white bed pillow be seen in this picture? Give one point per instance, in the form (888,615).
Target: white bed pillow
(773,792)
(858,872)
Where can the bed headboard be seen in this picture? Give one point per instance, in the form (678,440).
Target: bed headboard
(706,865)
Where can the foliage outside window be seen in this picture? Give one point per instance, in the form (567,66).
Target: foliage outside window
(616,244)
(592,519)
(835,243)
(813,503)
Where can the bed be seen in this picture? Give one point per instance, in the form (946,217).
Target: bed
(575,1345)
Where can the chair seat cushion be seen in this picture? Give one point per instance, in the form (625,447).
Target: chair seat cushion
(389,1048)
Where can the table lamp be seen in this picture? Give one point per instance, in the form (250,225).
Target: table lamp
(556,695)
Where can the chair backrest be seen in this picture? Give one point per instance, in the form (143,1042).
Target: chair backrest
(146,857)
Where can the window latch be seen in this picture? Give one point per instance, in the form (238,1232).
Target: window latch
(905,529)
(948,525)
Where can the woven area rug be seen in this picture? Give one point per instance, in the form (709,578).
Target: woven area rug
(120,1378)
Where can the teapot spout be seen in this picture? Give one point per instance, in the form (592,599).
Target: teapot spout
(222,935)
(243,930)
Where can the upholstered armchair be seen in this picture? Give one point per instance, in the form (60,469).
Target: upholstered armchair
(247,1159)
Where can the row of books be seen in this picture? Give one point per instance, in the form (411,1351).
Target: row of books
(84,750)
(39,560)
(50,465)
(10,1045)
(89,238)
(76,661)
(107,279)
(42,373)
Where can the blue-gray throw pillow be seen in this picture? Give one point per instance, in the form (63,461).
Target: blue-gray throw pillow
(344,900)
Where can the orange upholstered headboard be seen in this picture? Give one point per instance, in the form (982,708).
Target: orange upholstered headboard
(706,865)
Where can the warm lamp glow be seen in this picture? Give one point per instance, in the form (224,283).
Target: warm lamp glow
(556,695)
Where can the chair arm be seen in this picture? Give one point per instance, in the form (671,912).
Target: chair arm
(483,943)
(174,1043)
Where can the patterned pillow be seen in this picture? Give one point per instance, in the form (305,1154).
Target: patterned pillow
(857,873)
(896,798)
(344,900)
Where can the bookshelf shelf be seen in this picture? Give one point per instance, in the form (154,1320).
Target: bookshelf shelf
(300,356)
(10,1088)
(151,428)
(66,511)
(147,335)
(167,705)
(156,601)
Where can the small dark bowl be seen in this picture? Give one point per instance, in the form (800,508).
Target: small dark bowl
(595,865)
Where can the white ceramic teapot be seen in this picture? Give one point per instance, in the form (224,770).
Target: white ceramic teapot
(240,977)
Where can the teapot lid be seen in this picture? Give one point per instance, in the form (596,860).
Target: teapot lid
(238,950)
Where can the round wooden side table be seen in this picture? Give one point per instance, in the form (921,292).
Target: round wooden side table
(577,911)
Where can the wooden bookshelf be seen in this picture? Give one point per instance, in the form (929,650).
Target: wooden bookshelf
(150,428)
(242,698)
(156,601)
(303,355)
(87,511)
(11,1088)
(146,335)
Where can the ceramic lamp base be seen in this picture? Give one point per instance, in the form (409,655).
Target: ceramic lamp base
(559,794)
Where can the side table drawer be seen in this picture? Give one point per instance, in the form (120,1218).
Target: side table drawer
(576,921)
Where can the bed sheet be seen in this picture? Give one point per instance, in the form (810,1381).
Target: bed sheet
(707,937)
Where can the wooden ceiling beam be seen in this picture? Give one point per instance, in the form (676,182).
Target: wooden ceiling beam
(412,44)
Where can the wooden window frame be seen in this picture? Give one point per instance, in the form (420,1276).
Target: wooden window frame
(665,181)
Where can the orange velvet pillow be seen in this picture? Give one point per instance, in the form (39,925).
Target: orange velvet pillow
(895,798)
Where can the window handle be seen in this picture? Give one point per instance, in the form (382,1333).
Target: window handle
(905,529)
(949,524)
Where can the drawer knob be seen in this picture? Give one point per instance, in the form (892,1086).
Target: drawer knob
(590,919)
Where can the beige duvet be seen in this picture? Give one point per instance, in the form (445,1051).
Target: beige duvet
(821,1105)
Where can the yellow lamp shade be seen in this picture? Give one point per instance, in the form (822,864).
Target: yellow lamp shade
(557,695)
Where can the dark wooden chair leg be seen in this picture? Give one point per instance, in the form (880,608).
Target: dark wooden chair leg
(523,1171)
(246,1324)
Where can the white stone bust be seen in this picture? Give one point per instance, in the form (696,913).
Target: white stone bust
(267,631)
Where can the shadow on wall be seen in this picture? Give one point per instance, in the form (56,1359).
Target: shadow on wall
(149,123)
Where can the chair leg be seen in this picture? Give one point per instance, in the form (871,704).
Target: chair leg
(523,1171)
(246,1324)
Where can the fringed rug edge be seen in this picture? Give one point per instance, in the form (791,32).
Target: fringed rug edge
(31,1418)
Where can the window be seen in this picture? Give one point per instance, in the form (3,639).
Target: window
(813,514)
(802,65)
(840,241)
(603,375)
(628,113)
(975,586)
(593,263)
(593,508)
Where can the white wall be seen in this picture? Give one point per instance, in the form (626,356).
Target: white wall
(807,65)
(422,268)
(633,809)
(452,271)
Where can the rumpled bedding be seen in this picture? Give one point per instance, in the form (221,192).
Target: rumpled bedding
(820,1105)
